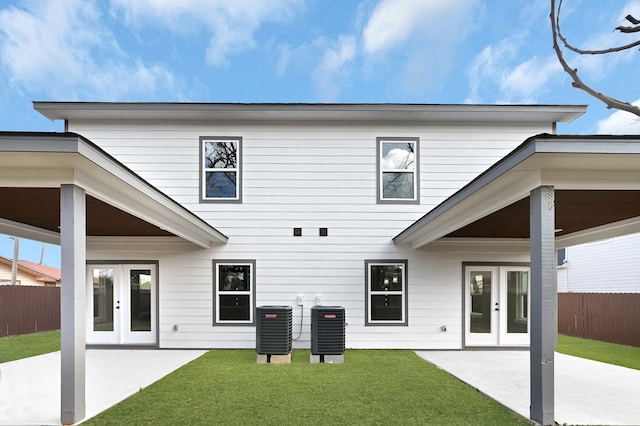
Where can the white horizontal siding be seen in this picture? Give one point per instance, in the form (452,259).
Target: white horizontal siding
(308,177)
(609,266)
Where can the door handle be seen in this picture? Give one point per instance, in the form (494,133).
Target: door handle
(117,304)
(496,308)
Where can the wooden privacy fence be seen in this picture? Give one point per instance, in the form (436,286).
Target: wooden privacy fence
(28,309)
(608,317)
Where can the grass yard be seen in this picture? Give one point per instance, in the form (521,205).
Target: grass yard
(228,387)
(625,356)
(24,346)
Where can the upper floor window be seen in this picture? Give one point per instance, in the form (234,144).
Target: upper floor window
(220,165)
(398,170)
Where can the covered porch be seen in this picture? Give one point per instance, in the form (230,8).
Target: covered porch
(61,188)
(551,192)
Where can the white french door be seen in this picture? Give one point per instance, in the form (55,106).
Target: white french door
(121,304)
(496,305)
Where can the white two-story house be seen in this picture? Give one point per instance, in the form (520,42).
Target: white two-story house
(304,202)
(433,226)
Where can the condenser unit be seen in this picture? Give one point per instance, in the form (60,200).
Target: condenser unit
(273,329)
(327,330)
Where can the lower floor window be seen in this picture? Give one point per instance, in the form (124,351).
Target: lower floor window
(386,292)
(234,291)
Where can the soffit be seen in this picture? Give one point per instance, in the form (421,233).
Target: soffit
(597,182)
(119,202)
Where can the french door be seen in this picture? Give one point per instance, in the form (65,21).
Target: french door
(121,304)
(496,305)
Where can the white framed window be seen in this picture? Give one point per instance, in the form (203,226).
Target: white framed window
(234,292)
(221,169)
(386,292)
(398,170)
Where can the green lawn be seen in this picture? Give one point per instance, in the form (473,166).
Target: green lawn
(626,356)
(18,347)
(228,387)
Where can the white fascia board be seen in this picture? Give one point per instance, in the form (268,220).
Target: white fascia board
(145,201)
(478,245)
(134,198)
(610,230)
(265,112)
(502,193)
(22,230)
(466,206)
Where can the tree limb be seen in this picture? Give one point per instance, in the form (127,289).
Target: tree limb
(573,73)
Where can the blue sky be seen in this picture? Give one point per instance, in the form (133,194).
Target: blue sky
(345,51)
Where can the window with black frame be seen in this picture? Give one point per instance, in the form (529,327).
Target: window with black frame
(234,289)
(386,292)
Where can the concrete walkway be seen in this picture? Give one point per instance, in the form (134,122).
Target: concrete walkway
(586,392)
(30,388)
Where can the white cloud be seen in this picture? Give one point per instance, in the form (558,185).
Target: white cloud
(393,22)
(330,73)
(529,78)
(620,123)
(62,49)
(491,71)
(230,23)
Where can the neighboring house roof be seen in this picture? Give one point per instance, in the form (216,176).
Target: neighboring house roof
(118,202)
(47,271)
(34,269)
(597,193)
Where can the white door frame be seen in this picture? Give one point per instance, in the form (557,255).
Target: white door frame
(119,306)
(496,307)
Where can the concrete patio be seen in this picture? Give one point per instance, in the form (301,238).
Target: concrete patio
(586,392)
(30,388)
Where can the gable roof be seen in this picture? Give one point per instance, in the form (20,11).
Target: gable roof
(597,193)
(33,165)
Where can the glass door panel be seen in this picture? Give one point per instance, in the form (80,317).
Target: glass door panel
(514,327)
(496,305)
(140,300)
(121,304)
(103,318)
(481,298)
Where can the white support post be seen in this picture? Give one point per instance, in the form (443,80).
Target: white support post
(72,303)
(544,296)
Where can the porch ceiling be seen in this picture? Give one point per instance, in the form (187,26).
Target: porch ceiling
(33,166)
(597,193)
(40,208)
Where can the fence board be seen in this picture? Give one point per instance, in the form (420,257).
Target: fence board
(28,309)
(608,317)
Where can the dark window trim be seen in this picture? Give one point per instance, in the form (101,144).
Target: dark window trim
(405,292)
(379,198)
(252,308)
(201,176)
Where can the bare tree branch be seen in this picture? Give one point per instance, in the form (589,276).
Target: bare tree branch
(609,101)
(634,21)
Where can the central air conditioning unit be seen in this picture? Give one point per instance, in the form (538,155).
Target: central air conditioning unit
(327,333)
(273,330)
